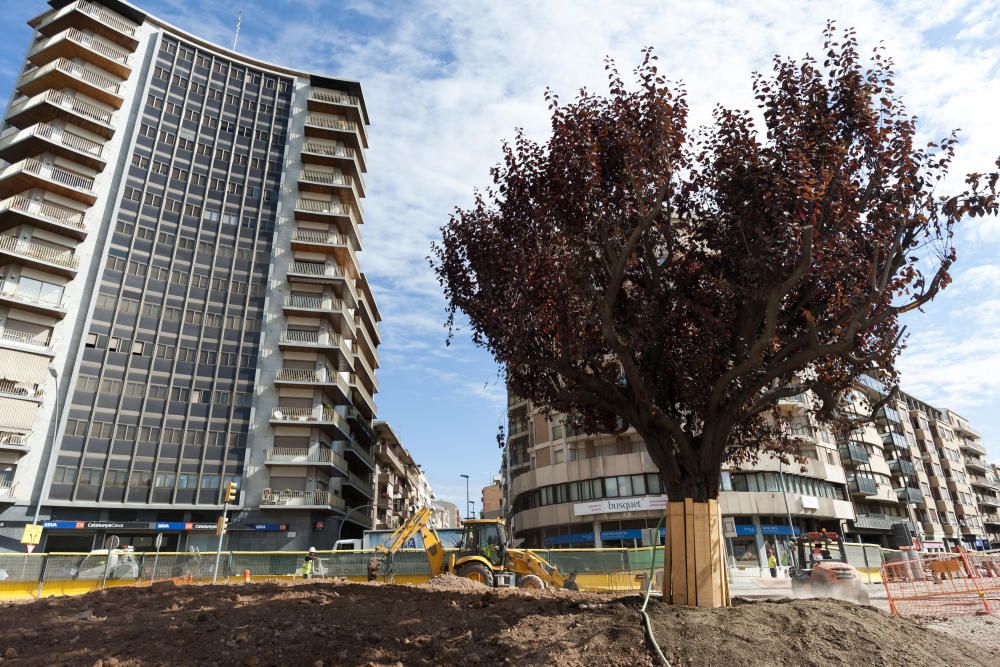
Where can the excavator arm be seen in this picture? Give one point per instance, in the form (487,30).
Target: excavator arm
(418,523)
(526,562)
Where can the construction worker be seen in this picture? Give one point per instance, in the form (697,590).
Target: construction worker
(308,563)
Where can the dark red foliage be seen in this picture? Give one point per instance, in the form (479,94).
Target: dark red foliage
(632,273)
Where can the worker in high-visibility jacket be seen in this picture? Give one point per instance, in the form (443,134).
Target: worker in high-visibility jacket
(308,563)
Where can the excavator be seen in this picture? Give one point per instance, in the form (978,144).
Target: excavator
(820,575)
(484,555)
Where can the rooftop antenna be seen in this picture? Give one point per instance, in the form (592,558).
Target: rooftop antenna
(239,20)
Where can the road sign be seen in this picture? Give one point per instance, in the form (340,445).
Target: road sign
(728,526)
(32,534)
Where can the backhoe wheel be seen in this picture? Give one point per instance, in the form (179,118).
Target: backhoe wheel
(531,582)
(477,572)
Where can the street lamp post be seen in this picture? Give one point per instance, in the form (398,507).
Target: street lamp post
(466,496)
(55,434)
(471,509)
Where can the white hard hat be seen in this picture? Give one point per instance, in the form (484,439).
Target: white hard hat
(312,550)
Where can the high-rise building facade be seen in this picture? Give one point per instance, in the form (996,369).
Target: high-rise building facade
(181,299)
(914,472)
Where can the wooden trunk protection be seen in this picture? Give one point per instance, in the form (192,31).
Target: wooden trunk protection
(694,560)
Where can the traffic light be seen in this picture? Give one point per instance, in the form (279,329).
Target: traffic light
(231,492)
(222,525)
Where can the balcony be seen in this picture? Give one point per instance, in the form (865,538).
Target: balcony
(902,467)
(330,344)
(308,305)
(31,173)
(974,446)
(340,245)
(20,390)
(85,14)
(362,425)
(314,272)
(361,335)
(331,212)
(321,457)
(62,262)
(43,138)
(887,414)
(862,486)
(974,462)
(19,210)
(325,418)
(386,452)
(62,73)
(74,43)
(517,427)
(360,485)
(42,300)
(871,383)
(796,402)
(13,442)
(334,183)
(39,342)
(853,453)
(362,397)
(802,431)
(320,126)
(364,368)
(52,105)
(7,491)
(908,494)
(992,518)
(322,100)
(334,154)
(988,501)
(872,521)
(359,452)
(325,379)
(896,439)
(981,480)
(318,499)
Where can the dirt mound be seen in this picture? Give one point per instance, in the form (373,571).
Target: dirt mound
(451,582)
(320,622)
(804,632)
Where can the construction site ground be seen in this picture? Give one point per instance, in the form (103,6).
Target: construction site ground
(452,621)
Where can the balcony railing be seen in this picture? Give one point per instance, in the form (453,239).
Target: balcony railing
(325,376)
(292,455)
(39,209)
(14,245)
(40,296)
(878,521)
(319,415)
(316,270)
(36,168)
(326,178)
(325,207)
(26,338)
(55,135)
(120,24)
(360,483)
(873,384)
(909,495)
(387,452)
(77,71)
(862,485)
(854,452)
(315,236)
(333,98)
(318,497)
(331,123)
(328,149)
(902,467)
(7,490)
(73,104)
(12,439)
(13,388)
(360,451)
(897,439)
(96,44)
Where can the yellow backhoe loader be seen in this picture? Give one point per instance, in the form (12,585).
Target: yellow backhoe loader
(484,555)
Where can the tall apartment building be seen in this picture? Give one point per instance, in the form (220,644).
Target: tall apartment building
(881,483)
(181,299)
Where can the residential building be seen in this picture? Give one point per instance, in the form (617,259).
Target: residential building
(181,301)
(881,483)
(445,514)
(401,487)
(492,501)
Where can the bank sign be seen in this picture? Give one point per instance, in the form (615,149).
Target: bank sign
(616,505)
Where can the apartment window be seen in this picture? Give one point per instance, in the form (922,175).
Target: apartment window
(198,180)
(215,95)
(180,394)
(210,482)
(244,131)
(165,480)
(180,277)
(77,427)
(204,149)
(165,351)
(222,154)
(197,88)
(134,390)
(150,310)
(213,320)
(193,317)
(161,73)
(141,480)
(145,234)
(185,243)
(187,481)
(179,81)
(120,345)
(158,392)
(173,205)
(132,194)
(174,109)
(137,269)
(232,99)
(186,355)
(204,61)
(140,161)
(207,357)
(168,137)
(171,314)
(86,383)
(210,122)
(129,306)
(185,144)
(192,210)
(153,199)
(64,475)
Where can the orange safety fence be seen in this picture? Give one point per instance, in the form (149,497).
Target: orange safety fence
(952,584)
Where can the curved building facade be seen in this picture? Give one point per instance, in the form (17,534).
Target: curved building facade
(181,301)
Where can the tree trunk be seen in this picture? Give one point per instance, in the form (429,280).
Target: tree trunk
(694,561)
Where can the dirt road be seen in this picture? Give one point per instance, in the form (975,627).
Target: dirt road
(324,623)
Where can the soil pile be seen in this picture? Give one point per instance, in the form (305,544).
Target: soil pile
(451,582)
(819,632)
(323,624)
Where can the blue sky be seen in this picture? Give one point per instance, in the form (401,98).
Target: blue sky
(445,82)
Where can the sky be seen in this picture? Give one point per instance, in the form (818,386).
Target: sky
(446,82)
